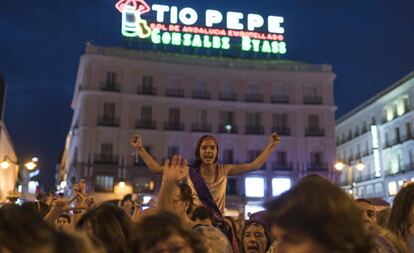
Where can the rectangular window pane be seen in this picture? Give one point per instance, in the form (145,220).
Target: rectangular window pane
(109,110)
(254,187)
(280,185)
(104,183)
(146,113)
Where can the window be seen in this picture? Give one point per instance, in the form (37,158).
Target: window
(280,185)
(228,156)
(147,82)
(254,187)
(253,88)
(173,150)
(378,189)
(201,85)
(106,151)
(174,83)
(201,116)
(316,158)
(279,90)
(227,87)
(312,91)
(232,187)
(109,111)
(280,120)
(254,119)
(174,115)
(104,183)
(110,78)
(313,121)
(227,117)
(146,113)
(392,188)
(281,158)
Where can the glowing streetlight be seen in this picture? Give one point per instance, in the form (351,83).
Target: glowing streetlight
(340,166)
(30,165)
(122,184)
(5,164)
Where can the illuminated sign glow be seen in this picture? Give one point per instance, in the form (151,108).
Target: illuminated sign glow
(177,27)
(375,147)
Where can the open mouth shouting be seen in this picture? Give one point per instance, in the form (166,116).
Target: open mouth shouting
(208,157)
(253,247)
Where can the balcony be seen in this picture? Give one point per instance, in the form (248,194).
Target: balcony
(174,126)
(257,98)
(145,124)
(254,130)
(114,87)
(280,99)
(200,127)
(403,169)
(317,167)
(105,159)
(147,90)
(201,94)
(316,132)
(283,166)
(282,131)
(312,100)
(228,96)
(108,121)
(228,128)
(174,92)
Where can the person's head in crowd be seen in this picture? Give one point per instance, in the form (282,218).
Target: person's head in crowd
(183,199)
(206,151)
(152,203)
(127,204)
(63,222)
(386,241)
(401,216)
(213,239)
(22,230)
(40,207)
(202,216)
(172,235)
(317,216)
(110,224)
(369,214)
(256,236)
(383,216)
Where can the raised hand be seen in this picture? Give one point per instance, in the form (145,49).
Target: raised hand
(136,141)
(274,139)
(175,169)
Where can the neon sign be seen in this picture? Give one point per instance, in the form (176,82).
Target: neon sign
(181,27)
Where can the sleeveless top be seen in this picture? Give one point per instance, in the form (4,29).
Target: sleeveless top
(217,186)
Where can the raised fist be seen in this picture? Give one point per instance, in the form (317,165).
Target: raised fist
(274,139)
(136,141)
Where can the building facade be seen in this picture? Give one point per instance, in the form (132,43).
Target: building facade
(379,133)
(171,100)
(8,174)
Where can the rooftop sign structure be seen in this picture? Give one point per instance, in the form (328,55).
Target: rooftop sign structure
(210,29)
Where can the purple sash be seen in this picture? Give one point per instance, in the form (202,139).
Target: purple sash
(206,198)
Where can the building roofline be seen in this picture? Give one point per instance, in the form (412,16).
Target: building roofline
(208,61)
(375,97)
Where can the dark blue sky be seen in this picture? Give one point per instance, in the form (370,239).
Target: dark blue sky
(370,45)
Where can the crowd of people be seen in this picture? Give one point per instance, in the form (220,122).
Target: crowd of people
(314,216)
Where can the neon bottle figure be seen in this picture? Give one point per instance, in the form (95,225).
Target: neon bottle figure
(132,23)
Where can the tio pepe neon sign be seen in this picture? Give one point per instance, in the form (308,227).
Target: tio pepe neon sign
(180,28)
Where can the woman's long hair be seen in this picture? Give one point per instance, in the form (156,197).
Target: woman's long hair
(110,225)
(400,213)
(197,161)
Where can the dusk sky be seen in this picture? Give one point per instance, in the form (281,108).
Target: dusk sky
(370,45)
